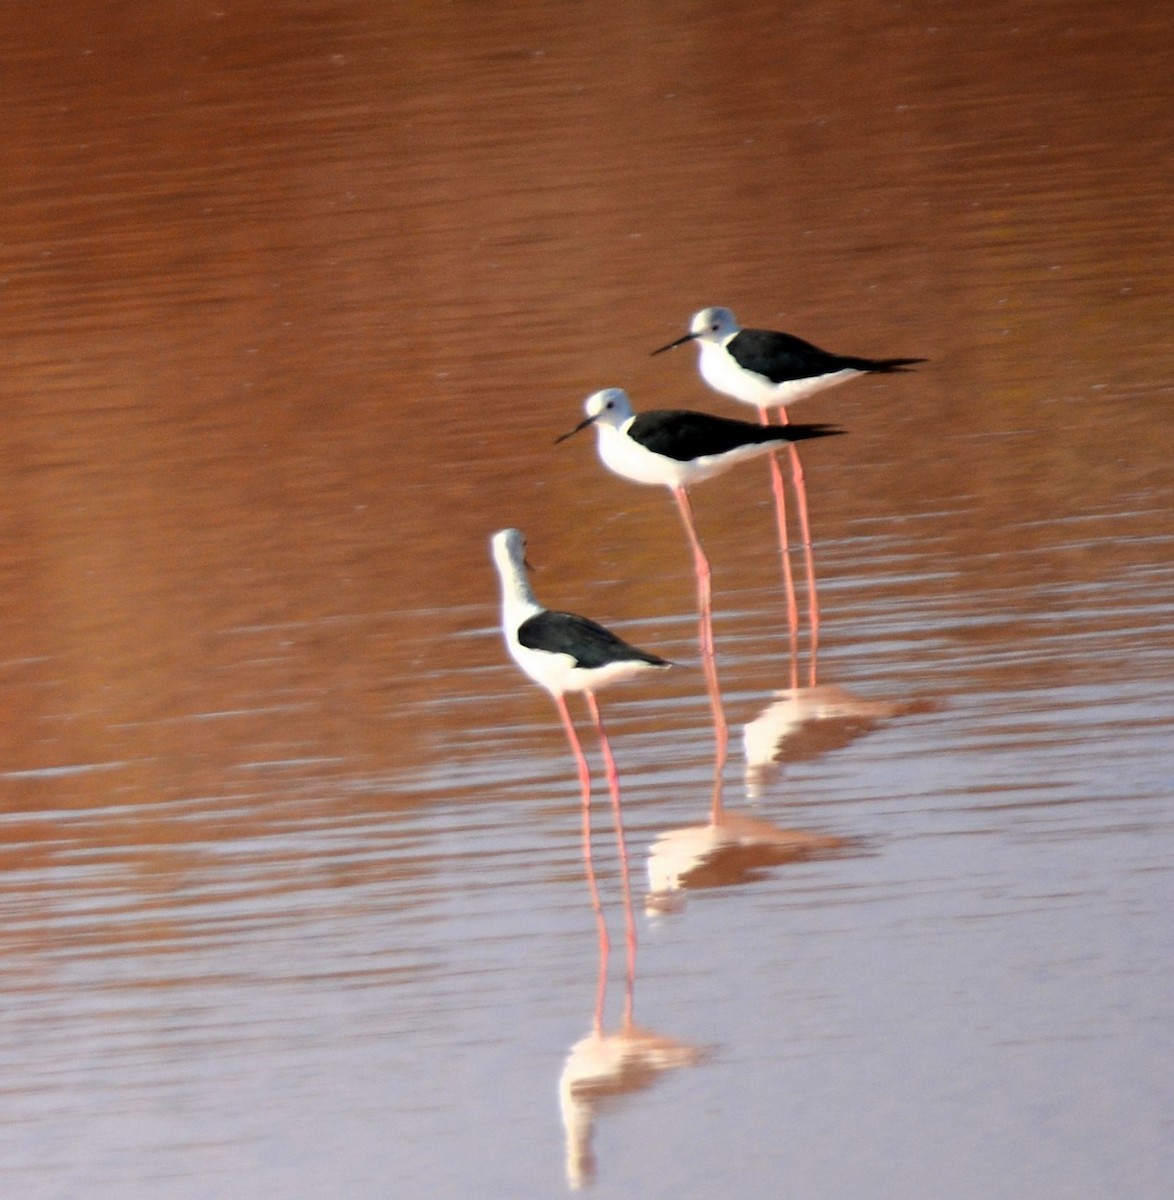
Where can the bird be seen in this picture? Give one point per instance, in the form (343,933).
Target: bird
(767,369)
(563,652)
(676,448)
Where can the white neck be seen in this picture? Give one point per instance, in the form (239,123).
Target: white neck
(517,597)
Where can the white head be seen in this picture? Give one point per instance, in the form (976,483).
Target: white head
(608,407)
(713,325)
(508,548)
(709,325)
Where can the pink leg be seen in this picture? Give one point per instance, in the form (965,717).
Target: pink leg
(585,786)
(776,483)
(613,783)
(808,554)
(708,656)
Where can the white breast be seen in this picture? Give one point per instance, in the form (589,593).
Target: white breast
(724,375)
(630,460)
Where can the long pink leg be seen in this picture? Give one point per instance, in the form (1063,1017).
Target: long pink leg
(613,783)
(585,787)
(808,553)
(776,484)
(708,656)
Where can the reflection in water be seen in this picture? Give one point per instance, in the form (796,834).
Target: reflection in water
(287,294)
(805,723)
(603,1066)
(730,848)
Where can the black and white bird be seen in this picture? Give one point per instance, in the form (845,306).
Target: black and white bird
(769,369)
(564,653)
(677,448)
(560,651)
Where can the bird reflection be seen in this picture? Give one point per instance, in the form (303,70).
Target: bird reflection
(729,848)
(604,1066)
(601,1067)
(806,723)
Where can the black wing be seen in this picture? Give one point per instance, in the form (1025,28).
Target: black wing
(784,358)
(586,641)
(683,436)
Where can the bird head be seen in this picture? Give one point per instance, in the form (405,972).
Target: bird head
(708,325)
(609,407)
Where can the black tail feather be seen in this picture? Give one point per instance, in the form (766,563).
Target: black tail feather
(803,433)
(891,366)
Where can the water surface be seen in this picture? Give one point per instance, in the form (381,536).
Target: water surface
(295,304)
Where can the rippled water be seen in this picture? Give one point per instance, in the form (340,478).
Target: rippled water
(295,303)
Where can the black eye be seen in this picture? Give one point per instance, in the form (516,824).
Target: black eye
(611,404)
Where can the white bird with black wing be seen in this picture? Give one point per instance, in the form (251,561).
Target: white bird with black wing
(564,653)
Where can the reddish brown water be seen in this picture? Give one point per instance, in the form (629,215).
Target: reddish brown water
(294,301)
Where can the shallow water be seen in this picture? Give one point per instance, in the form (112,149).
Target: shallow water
(294,307)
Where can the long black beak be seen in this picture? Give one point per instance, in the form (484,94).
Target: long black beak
(679,342)
(571,432)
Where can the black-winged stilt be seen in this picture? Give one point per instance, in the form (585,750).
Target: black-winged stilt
(676,448)
(564,653)
(769,370)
